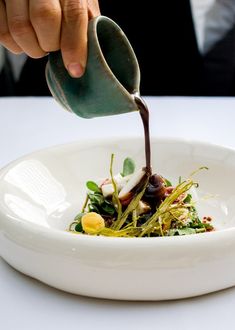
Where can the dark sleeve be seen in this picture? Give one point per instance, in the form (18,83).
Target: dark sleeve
(163,37)
(7,85)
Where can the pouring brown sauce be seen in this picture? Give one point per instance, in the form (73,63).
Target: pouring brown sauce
(155,190)
(144,113)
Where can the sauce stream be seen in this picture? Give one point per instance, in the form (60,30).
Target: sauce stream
(144,113)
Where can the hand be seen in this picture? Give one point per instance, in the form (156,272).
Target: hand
(38,27)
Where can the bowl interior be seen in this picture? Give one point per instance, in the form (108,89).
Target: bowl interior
(48,187)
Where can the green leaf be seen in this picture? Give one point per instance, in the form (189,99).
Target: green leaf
(78,227)
(200,230)
(91,185)
(108,208)
(128,167)
(93,208)
(181,232)
(167,183)
(188,199)
(96,198)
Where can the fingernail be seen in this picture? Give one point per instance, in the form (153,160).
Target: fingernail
(75,70)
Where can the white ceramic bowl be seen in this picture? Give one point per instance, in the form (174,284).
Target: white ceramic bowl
(41,193)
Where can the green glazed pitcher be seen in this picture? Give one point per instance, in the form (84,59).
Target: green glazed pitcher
(111,78)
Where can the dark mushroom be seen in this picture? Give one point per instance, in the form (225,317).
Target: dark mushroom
(155,191)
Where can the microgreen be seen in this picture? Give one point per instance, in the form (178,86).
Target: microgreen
(188,198)
(128,167)
(167,183)
(175,215)
(92,186)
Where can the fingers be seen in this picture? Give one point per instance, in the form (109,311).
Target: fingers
(46,17)
(30,25)
(5,37)
(21,28)
(93,8)
(37,27)
(74,36)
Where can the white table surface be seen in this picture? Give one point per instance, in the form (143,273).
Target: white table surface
(28,124)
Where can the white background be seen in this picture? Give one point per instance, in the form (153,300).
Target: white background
(28,124)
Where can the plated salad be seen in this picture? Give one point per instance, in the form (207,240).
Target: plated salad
(139,204)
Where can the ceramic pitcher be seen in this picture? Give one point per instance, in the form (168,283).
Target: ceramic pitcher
(111,78)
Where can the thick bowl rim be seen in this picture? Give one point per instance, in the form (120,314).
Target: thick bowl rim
(59,235)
